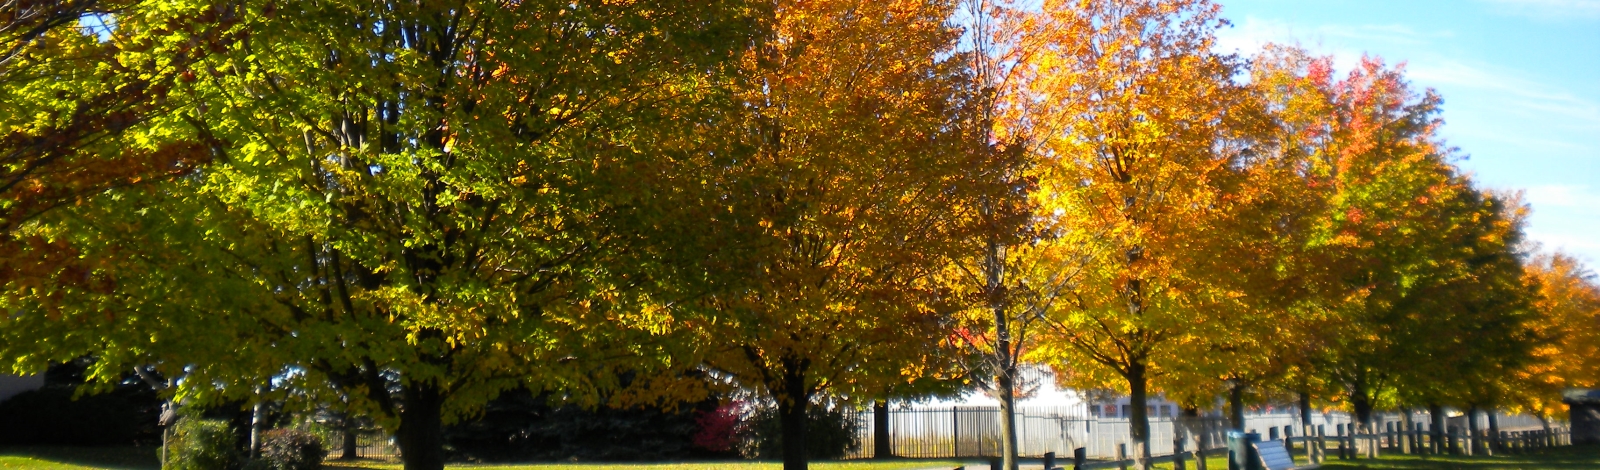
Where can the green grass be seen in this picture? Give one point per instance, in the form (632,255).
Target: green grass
(144,458)
(79,458)
(715,465)
(1556,458)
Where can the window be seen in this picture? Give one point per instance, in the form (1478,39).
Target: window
(1127,411)
(1166,411)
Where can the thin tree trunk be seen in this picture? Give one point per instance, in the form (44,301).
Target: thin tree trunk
(881,447)
(1006,370)
(1139,418)
(421,433)
(258,417)
(1008,425)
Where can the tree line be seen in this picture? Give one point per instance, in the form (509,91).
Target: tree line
(403,209)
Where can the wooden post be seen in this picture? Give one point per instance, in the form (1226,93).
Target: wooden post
(1177,448)
(1388,435)
(1342,452)
(1322,444)
(1373,441)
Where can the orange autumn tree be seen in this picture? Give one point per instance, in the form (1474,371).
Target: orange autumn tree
(1568,306)
(1262,332)
(1135,176)
(824,206)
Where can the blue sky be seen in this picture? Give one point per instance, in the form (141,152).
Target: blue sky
(1520,80)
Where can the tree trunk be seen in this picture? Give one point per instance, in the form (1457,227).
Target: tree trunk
(1362,405)
(1436,428)
(258,418)
(1139,418)
(1008,422)
(421,433)
(881,448)
(1236,406)
(1006,371)
(1494,432)
(1305,410)
(348,447)
(792,417)
(1197,429)
(1407,442)
(1476,440)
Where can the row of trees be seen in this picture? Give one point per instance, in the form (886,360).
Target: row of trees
(400,210)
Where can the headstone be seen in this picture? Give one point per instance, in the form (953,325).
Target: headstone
(1273,455)
(1049,461)
(1079,455)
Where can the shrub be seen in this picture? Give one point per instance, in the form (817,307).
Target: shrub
(201,444)
(292,449)
(830,433)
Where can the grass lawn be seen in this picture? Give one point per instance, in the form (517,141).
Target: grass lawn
(714,465)
(137,458)
(79,458)
(1560,457)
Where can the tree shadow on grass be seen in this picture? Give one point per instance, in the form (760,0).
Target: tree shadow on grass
(111,458)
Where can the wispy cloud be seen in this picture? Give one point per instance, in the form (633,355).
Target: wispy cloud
(1549,9)
(1251,33)
(1578,198)
(1522,94)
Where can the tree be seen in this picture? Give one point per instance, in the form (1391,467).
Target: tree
(1133,177)
(824,212)
(412,206)
(1568,305)
(1423,262)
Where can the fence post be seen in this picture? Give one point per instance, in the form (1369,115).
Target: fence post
(1342,454)
(1177,449)
(1049,461)
(1322,445)
(955,431)
(1078,456)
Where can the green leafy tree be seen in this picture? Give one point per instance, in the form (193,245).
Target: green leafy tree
(412,207)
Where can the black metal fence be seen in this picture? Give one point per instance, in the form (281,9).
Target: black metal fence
(372,445)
